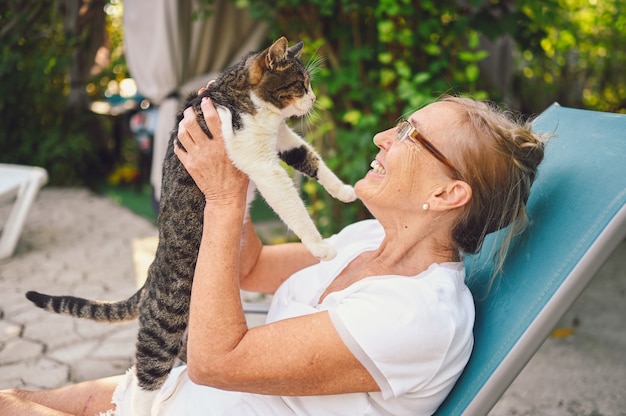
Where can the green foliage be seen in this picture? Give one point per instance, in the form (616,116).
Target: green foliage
(383,60)
(36,127)
(579,59)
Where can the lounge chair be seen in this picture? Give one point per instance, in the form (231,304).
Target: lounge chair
(578,217)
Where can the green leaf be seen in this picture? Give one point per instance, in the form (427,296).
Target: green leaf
(324,102)
(385,30)
(421,77)
(387,76)
(432,49)
(385,58)
(472,72)
(469,56)
(352,117)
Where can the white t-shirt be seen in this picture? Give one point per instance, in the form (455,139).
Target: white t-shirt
(413,334)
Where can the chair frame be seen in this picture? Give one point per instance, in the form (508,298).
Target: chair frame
(20,185)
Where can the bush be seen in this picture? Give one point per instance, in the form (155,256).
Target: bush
(38,128)
(579,59)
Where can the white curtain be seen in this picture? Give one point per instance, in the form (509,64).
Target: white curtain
(169,54)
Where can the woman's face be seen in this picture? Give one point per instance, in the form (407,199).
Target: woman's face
(404,173)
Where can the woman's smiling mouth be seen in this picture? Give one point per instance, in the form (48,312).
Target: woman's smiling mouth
(377,167)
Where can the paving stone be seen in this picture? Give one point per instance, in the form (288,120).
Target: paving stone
(18,349)
(88,289)
(71,353)
(9,330)
(42,373)
(19,284)
(119,282)
(14,302)
(11,375)
(46,374)
(91,369)
(51,266)
(125,332)
(52,330)
(113,350)
(13,383)
(121,292)
(63,281)
(87,329)
(25,313)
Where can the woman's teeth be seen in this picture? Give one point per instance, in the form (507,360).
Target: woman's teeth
(377,167)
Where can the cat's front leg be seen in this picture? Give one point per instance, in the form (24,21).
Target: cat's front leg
(334,185)
(299,154)
(278,190)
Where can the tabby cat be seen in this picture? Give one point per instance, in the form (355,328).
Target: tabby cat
(260,92)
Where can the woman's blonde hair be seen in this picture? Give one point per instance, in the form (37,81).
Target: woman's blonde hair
(500,159)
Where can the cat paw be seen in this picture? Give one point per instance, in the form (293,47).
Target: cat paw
(322,251)
(346,194)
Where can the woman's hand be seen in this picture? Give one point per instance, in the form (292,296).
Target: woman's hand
(203,89)
(206,159)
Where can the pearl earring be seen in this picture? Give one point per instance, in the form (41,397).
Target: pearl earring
(425,206)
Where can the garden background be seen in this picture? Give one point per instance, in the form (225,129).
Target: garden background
(381,60)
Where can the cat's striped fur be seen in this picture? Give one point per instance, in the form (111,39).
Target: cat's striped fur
(260,92)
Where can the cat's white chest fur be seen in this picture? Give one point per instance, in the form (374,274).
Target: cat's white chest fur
(254,150)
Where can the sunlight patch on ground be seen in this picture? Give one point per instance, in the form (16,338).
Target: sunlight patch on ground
(144,250)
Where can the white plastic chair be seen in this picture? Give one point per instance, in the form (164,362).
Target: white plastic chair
(19,184)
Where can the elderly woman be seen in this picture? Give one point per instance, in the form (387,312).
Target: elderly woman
(385,328)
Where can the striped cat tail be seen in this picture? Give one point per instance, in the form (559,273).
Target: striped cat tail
(100,311)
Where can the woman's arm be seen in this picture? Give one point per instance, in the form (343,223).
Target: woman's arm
(299,356)
(91,397)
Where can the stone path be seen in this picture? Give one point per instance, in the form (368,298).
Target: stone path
(74,243)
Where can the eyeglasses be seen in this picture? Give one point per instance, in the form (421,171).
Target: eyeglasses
(405,130)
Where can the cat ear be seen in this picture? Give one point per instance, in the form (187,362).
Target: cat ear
(267,59)
(296,50)
(276,53)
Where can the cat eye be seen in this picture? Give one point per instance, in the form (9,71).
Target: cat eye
(405,130)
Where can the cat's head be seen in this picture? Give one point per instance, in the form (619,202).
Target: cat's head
(278,77)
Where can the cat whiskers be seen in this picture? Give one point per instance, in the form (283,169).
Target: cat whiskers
(315,64)
(313,116)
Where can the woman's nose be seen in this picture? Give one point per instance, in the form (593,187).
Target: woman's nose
(384,139)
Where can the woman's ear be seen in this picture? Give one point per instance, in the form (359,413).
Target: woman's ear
(456,194)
